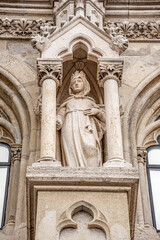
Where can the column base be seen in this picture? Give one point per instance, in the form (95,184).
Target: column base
(117,163)
(47,161)
(9,226)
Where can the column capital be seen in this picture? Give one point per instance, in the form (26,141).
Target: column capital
(16,150)
(50,69)
(141,155)
(110,69)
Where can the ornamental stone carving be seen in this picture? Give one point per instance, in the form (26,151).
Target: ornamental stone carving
(134,30)
(50,71)
(141,154)
(21,28)
(38,41)
(16,150)
(119,42)
(109,71)
(79,65)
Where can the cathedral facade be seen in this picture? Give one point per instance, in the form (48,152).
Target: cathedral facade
(79,119)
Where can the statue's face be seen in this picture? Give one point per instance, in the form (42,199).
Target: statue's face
(77,84)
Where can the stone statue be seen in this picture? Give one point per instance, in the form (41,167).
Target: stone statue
(82,125)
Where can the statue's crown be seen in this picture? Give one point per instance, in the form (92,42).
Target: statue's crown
(78,73)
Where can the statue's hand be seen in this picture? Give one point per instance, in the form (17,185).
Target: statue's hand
(58,124)
(92,111)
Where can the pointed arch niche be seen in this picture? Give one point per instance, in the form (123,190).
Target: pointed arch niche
(80,58)
(83,221)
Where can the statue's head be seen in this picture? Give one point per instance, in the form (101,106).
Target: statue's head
(79,84)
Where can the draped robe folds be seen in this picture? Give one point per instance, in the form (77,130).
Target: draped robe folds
(80,133)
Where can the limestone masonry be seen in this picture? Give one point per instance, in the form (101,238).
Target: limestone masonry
(79,111)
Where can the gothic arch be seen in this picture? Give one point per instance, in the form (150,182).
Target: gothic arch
(83,41)
(141,111)
(18,119)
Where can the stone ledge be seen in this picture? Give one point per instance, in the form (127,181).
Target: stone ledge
(42,171)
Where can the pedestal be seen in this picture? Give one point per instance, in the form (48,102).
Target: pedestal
(81,203)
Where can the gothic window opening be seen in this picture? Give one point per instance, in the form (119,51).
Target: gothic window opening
(153,171)
(5,162)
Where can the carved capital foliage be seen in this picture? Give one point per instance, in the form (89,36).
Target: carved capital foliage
(22,28)
(141,154)
(109,71)
(134,30)
(16,150)
(50,71)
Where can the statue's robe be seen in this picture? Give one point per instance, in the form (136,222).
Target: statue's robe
(80,134)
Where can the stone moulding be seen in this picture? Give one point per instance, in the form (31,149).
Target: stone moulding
(135,31)
(21,28)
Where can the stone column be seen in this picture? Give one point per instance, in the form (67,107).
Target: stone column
(50,77)
(109,77)
(141,157)
(16,158)
(15,161)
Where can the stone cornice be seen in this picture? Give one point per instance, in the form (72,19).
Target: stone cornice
(109,70)
(22,28)
(50,69)
(135,31)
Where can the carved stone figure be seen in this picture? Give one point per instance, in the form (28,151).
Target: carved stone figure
(82,125)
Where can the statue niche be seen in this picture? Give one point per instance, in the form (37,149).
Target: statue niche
(82,125)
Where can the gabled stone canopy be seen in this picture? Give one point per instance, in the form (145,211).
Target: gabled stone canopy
(78,32)
(78,23)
